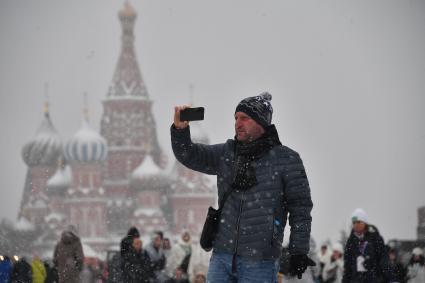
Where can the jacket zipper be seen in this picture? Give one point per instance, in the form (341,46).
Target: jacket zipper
(237,233)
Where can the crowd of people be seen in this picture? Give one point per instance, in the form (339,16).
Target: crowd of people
(261,186)
(363,258)
(159,261)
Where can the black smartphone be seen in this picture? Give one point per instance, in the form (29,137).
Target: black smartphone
(192,114)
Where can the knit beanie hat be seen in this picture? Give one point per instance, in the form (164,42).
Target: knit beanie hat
(133,232)
(258,108)
(417,251)
(359,215)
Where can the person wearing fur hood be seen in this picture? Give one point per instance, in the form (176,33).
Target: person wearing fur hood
(180,256)
(416,267)
(334,266)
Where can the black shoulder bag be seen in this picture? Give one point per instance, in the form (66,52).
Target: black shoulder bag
(210,229)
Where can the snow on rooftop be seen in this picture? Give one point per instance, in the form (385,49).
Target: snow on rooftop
(54,216)
(87,134)
(61,179)
(147,168)
(24,225)
(147,212)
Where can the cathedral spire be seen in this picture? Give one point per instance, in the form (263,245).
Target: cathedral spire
(127,81)
(86,108)
(46,101)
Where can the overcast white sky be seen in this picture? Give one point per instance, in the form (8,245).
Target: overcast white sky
(347,80)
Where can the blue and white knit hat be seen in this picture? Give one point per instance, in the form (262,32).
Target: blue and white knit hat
(359,215)
(258,108)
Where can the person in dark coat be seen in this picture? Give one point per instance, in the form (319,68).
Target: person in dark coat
(127,241)
(267,182)
(136,264)
(366,256)
(21,272)
(115,269)
(116,273)
(51,271)
(6,267)
(68,256)
(400,271)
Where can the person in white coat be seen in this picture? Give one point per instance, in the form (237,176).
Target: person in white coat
(324,256)
(416,267)
(334,266)
(180,256)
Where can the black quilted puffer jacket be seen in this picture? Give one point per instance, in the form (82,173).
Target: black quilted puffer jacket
(253,220)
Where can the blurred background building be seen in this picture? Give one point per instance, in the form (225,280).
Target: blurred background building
(105,182)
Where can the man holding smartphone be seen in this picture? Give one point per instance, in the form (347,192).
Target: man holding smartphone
(267,182)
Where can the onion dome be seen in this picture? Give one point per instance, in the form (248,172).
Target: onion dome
(148,175)
(60,181)
(147,168)
(198,134)
(46,147)
(86,146)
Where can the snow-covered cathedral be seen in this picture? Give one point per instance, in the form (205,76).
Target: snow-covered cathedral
(105,182)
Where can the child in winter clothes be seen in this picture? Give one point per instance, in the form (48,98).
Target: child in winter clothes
(416,268)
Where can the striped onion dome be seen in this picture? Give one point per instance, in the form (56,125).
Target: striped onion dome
(86,146)
(46,147)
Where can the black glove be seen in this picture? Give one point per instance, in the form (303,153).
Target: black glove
(298,264)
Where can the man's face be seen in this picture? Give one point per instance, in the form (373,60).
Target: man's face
(200,278)
(416,258)
(336,254)
(178,274)
(247,130)
(157,242)
(166,245)
(359,227)
(186,237)
(137,244)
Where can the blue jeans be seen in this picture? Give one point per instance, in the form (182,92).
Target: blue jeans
(247,270)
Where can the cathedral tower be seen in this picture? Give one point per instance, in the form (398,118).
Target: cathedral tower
(86,203)
(127,125)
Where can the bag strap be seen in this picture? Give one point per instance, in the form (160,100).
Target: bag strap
(225,196)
